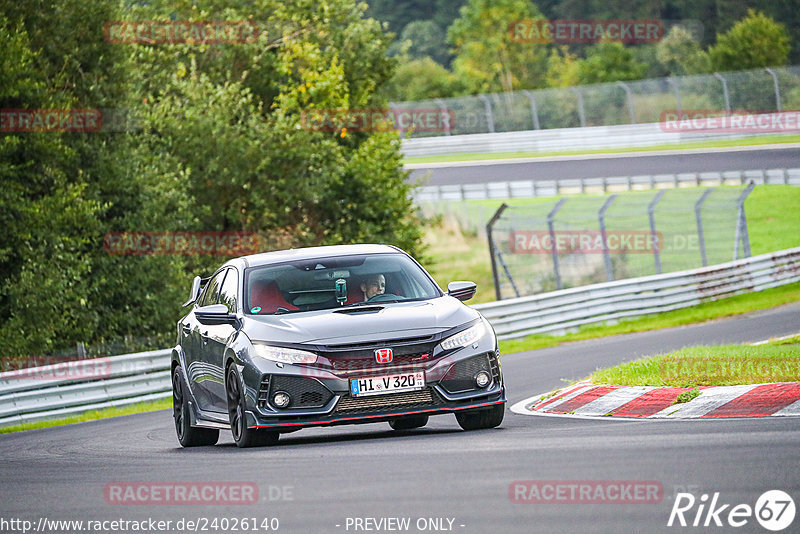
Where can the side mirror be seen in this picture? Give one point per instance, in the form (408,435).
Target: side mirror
(462,290)
(215,314)
(195,292)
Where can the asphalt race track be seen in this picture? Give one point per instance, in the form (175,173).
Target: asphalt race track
(604,165)
(316,479)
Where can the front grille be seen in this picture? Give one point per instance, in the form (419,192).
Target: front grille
(461,375)
(349,347)
(369,366)
(382,403)
(305,392)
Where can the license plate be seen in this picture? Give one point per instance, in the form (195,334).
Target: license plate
(378,385)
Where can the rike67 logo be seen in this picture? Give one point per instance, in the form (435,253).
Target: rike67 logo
(774,510)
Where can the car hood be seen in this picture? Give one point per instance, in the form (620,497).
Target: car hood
(383,321)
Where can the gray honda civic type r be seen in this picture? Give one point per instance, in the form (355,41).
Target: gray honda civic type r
(279,341)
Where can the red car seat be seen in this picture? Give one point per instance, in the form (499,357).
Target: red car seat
(268,297)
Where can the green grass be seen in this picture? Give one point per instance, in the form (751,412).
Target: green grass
(722,365)
(766,140)
(92,415)
(707,311)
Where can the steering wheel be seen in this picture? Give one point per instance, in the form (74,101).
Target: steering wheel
(381,297)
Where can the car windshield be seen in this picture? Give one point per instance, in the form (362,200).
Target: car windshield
(335,282)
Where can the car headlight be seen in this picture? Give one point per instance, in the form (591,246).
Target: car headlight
(283,354)
(465,337)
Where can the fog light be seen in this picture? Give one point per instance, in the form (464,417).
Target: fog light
(281,399)
(482,379)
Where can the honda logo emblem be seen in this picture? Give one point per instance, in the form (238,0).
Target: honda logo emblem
(383,355)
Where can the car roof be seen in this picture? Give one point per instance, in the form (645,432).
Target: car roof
(278,256)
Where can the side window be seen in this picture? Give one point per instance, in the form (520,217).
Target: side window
(227,293)
(211,291)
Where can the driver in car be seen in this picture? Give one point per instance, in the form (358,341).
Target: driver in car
(374,284)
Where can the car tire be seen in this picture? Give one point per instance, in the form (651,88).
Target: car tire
(483,418)
(409,422)
(188,436)
(243,436)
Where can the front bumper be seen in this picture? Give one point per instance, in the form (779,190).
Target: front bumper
(323,398)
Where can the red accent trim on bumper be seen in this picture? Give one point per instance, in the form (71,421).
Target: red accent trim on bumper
(382,416)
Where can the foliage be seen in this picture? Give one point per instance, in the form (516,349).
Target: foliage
(753,42)
(487,57)
(609,62)
(423,38)
(562,68)
(680,54)
(219,144)
(421,79)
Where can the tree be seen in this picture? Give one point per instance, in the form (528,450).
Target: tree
(424,38)
(488,59)
(753,42)
(680,54)
(609,62)
(422,79)
(562,68)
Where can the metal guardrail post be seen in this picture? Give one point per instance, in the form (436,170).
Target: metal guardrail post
(446,116)
(581,111)
(489,117)
(718,76)
(672,83)
(651,208)
(492,250)
(741,224)
(629,98)
(777,88)
(551,228)
(534,111)
(601,219)
(699,218)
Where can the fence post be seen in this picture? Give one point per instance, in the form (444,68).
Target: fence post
(629,98)
(777,88)
(445,115)
(581,112)
(534,111)
(651,208)
(676,92)
(718,76)
(741,224)
(489,117)
(601,218)
(492,251)
(550,227)
(700,238)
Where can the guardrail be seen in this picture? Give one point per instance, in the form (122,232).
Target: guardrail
(558,311)
(551,188)
(560,139)
(70,388)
